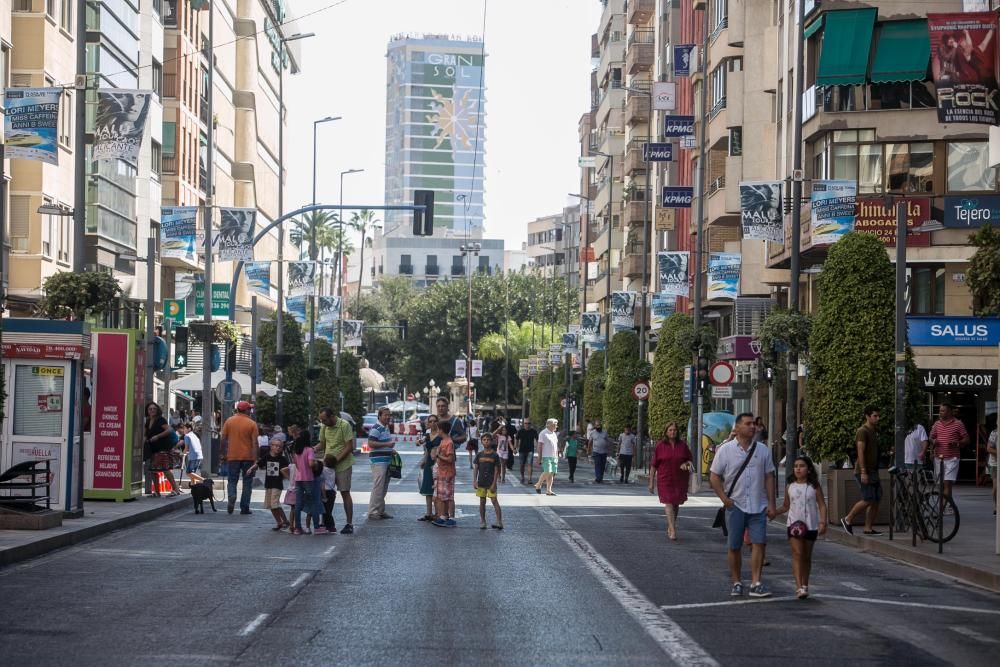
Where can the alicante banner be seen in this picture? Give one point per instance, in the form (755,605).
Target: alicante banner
(352,332)
(833,205)
(329,308)
(622,310)
(30,121)
(120,123)
(673,269)
(569,342)
(590,327)
(236,231)
(662,307)
(963,53)
(723,275)
(301,278)
(258,277)
(761,213)
(179,232)
(296,307)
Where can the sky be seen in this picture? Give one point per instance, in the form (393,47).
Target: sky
(537,87)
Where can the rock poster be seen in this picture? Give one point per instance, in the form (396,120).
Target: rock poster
(723,275)
(296,307)
(30,121)
(761,211)
(963,65)
(179,232)
(259,277)
(662,307)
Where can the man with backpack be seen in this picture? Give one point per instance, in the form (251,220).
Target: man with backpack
(453,426)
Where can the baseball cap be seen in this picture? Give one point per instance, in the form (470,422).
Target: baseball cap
(243,406)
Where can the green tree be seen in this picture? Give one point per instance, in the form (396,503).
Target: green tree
(983,274)
(514,342)
(295,400)
(593,387)
(555,410)
(851,358)
(541,390)
(354,401)
(624,369)
(673,353)
(364,221)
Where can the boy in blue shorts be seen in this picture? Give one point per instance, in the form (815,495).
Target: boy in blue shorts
(485,474)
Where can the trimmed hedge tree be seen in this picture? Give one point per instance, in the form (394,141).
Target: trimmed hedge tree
(851,360)
(593,388)
(624,369)
(673,353)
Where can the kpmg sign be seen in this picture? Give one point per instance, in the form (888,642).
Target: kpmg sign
(971,212)
(675,127)
(657,152)
(954,331)
(678,196)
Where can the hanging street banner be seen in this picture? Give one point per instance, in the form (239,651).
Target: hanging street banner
(833,205)
(522,368)
(30,121)
(723,275)
(532,366)
(963,54)
(879,220)
(259,277)
(220,299)
(326,331)
(569,342)
(622,310)
(664,95)
(296,307)
(120,123)
(352,332)
(236,231)
(590,327)
(179,232)
(971,211)
(662,307)
(675,127)
(301,278)
(673,269)
(329,308)
(677,196)
(599,345)
(761,215)
(657,152)
(683,55)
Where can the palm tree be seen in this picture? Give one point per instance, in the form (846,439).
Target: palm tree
(301,234)
(515,341)
(334,239)
(363,220)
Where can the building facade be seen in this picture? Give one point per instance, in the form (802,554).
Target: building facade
(553,245)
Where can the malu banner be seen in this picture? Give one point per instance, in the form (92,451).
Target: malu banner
(301,278)
(120,123)
(673,269)
(761,214)
(236,232)
(622,310)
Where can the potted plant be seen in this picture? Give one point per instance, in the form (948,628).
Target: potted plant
(76,296)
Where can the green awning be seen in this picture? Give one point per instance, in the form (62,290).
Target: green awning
(902,53)
(813,28)
(843,60)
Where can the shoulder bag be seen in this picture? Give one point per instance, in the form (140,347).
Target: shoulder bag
(720,516)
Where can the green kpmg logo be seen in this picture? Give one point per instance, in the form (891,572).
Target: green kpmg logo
(971,212)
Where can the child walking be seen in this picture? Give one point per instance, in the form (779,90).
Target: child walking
(807,519)
(444,483)
(275,465)
(486,470)
(306,488)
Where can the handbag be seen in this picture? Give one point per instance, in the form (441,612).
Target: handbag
(798,529)
(720,516)
(288,496)
(396,466)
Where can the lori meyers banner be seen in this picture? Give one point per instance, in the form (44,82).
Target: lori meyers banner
(120,123)
(673,270)
(236,231)
(352,332)
(296,306)
(30,121)
(663,306)
(301,278)
(761,213)
(590,327)
(833,205)
(622,310)
(179,232)
(259,277)
(723,275)
(963,64)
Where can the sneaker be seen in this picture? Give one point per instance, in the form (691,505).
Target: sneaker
(439,522)
(231,506)
(802,593)
(246,512)
(537,490)
(848,527)
(549,493)
(872,532)
(482,525)
(296,531)
(759,590)
(451,523)
(321,531)
(386,516)
(347,530)
(737,590)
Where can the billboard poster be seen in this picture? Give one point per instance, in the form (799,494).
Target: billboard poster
(683,55)
(963,65)
(179,232)
(598,345)
(326,331)
(622,310)
(723,275)
(532,366)
(329,308)
(761,214)
(675,127)
(663,306)
(236,231)
(590,327)
(569,342)
(301,278)
(120,123)
(110,404)
(30,121)
(971,211)
(296,307)
(673,269)
(664,95)
(352,332)
(259,277)
(833,205)
(522,368)
(875,218)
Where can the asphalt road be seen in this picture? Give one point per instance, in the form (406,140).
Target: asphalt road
(585,577)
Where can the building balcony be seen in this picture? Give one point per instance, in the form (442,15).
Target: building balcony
(640,11)
(718,126)
(636,109)
(457,270)
(635,212)
(169,85)
(716,209)
(632,265)
(611,98)
(406,269)
(903,105)
(634,164)
(432,270)
(612,57)
(641,51)
(169,164)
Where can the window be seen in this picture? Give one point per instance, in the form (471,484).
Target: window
(157,71)
(925,294)
(47,224)
(735,141)
(50,8)
(66,115)
(909,167)
(717,88)
(484,264)
(169,138)
(854,155)
(968,167)
(720,15)
(62,243)
(66,17)
(157,157)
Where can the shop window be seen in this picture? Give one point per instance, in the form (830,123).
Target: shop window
(909,167)
(926,290)
(968,167)
(38,408)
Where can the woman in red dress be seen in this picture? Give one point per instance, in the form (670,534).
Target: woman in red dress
(672,462)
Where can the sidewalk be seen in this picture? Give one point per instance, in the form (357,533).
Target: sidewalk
(100,517)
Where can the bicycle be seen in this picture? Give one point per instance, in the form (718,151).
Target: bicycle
(919,505)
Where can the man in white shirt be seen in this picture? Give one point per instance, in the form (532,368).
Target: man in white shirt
(626,450)
(548,455)
(751,502)
(916,448)
(600,446)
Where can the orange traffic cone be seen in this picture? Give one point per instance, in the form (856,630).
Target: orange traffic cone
(162,485)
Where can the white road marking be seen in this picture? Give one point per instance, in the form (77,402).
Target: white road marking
(253,625)
(674,641)
(588,516)
(853,586)
(299,580)
(329,551)
(972,634)
(900,603)
(726,603)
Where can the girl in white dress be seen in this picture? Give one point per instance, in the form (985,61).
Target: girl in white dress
(807,519)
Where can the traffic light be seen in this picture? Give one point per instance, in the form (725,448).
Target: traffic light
(231,356)
(423,221)
(702,371)
(180,347)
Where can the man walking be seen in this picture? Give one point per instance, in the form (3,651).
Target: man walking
(749,503)
(866,473)
(336,449)
(239,452)
(453,426)
(626,450)
(548,456)
(380,444)
(600,446)
(948,435)
(526,439)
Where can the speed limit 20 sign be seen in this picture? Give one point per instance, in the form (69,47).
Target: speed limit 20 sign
(640,390)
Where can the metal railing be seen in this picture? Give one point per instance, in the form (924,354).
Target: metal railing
(642,36)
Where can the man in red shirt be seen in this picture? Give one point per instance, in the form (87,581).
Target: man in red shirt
(948,435)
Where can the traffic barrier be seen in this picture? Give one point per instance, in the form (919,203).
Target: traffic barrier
(162,485)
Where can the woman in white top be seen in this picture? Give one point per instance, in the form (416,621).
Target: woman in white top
(807,519)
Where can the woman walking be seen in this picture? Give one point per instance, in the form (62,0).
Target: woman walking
(432,438)
(160,439)
(672,462)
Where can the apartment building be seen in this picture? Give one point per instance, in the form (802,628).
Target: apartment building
(554,246)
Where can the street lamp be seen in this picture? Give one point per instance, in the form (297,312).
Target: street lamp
(340,271)
(468,250)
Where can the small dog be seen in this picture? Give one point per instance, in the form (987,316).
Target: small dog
(200,492)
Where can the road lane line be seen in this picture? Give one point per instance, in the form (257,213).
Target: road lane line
(900,603)
(329,550)
(299,580)
(853,586)
(972,634)
(726,603)
(253,625)
(674,641)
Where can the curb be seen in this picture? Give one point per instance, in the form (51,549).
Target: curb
(940,564)
(43,546)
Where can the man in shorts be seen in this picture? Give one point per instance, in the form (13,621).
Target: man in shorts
(336,449)
(948,436)
(548,456)
(526,439)
(866,473)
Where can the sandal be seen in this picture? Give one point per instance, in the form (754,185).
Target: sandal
(498,526)
(172,494)
(426,517)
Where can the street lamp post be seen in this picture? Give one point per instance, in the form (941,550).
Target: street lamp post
(469,250)
(340,273)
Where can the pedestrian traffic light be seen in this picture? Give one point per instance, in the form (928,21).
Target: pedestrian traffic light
(702,370)
(231,357)
(423,220)
(180,347)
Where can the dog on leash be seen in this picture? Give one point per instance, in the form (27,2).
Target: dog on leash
(201,490)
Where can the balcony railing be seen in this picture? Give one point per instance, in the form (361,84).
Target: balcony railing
(169,164)
(457,270)
(23,5)
(169,85)
(406,269)
(432,270)
(642,36)
(868,97)
(716,185)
